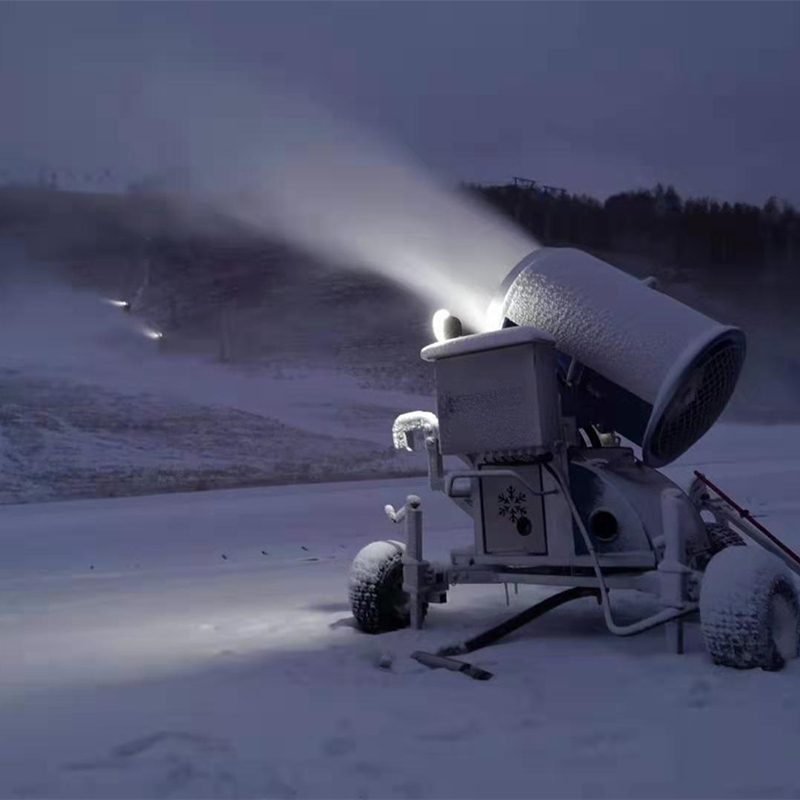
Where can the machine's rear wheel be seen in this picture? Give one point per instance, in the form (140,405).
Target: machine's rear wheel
(376,588)
(749,610)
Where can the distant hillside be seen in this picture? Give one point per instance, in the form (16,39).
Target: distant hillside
(694,234)
(274,368)
(218,288)
(302,343)
(736,262)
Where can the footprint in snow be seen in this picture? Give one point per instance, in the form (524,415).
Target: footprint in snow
(409,789)
(451,735)
(368,769)
(338,746)
(699,694)
(162,764)
(602,744)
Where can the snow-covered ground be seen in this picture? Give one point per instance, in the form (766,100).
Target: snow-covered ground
(91,408)
(190,426)
(201,645)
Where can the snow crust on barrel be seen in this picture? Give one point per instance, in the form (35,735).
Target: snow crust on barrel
(611,322)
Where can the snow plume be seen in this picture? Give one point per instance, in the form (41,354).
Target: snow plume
(289,168)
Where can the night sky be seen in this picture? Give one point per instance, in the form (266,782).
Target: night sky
(594,97)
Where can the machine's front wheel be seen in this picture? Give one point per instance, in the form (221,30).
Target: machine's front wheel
(376,588)
(749,610)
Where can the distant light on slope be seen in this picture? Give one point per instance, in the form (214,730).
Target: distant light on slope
(152,334)
(123,304)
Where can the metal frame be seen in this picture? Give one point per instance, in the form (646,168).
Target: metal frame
(727,512)
(501,429)
(659,520)
(674,583)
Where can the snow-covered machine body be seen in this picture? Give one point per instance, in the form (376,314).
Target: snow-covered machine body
(496,392)
(580,353)
(647,365)
(498,407)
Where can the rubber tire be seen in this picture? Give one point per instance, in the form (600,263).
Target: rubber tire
(377,598)
(749,610)
(721,536)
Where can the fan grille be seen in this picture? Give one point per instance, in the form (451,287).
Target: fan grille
(705,391)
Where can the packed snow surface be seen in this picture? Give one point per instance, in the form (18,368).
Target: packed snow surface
(200,645)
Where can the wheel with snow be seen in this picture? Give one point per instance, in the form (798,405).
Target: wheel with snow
(749,610)
(721,536)
(376,588)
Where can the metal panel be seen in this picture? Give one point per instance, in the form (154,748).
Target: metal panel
(513,520)
(612,479)
(500,399)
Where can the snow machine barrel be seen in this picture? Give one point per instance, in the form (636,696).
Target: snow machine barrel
(639,362)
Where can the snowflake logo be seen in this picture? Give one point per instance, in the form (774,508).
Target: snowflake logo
(512,504)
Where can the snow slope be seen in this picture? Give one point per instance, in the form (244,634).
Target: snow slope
(201,646)
(63,439)
(91,408)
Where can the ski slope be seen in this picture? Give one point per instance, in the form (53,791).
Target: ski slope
(200,645)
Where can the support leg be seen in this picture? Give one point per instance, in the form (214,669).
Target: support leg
(414,568)
(674,633)
(672,570)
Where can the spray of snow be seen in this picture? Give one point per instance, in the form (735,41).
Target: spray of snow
(288,167)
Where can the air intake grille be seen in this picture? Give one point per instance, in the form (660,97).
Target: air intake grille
(705,391)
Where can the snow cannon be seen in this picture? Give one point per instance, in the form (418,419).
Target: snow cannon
(535,411)
(639,362)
